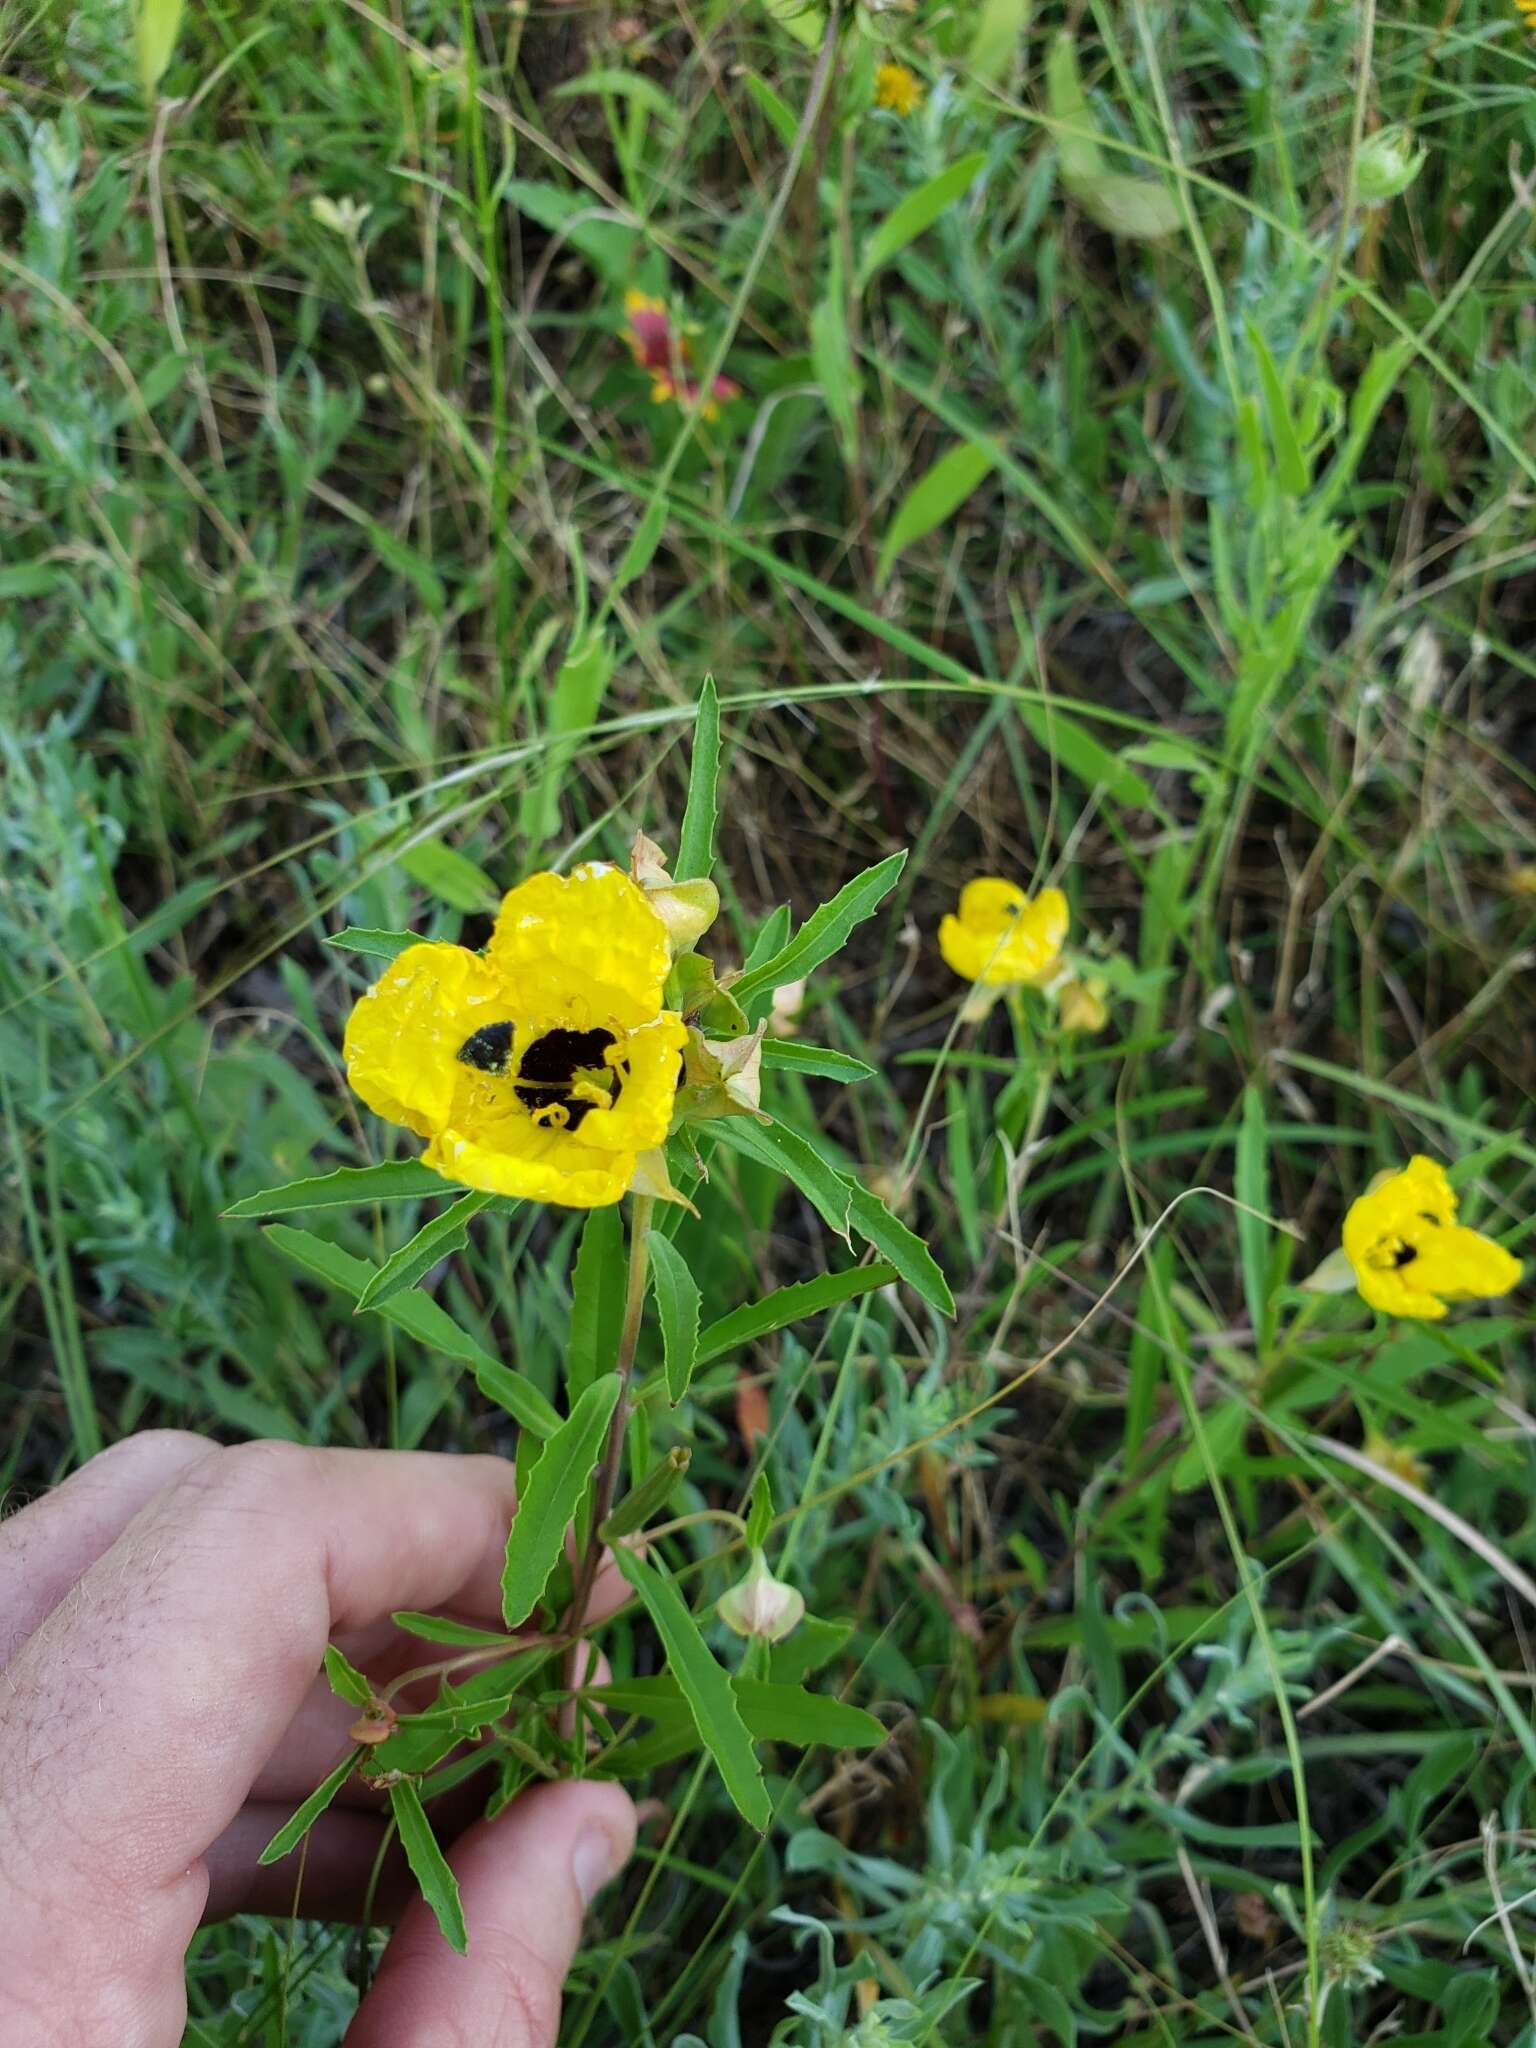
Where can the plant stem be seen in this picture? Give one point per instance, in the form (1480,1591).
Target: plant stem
(608,1471)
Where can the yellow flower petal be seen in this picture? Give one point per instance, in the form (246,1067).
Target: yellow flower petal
(588,938)
(1001,937)
(404,1034)
(1410,1256)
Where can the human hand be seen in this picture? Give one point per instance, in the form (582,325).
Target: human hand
(163,1617)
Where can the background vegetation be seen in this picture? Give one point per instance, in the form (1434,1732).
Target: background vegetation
(1115,497)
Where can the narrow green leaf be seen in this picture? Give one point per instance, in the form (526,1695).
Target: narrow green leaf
(436,1628)
(439,1886)
(814,1643)
(911,216)
(845,1205)
(293,1831)
(770,937)
(1139,208)
(936,496)
(902,1247)
(795,1157)
(158,26)
(1085,757)
(597,1300)
(572,707)
(1251,1185)
(377,945)
(832,353)
(995,39)
(643,543)
(394,1181)
(826,931)
(521,1399)
(434,1241)
(796,1057)
(785,1305)
(415,1313)
(759,1512)
(345,1680)
(776,110)
(705,1685)
(450,875)
(1290,460)
(677,1304)
(554,1493)
(696,845)
(632,85)
(770,1712)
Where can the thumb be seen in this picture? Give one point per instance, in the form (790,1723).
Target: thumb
(525,1878)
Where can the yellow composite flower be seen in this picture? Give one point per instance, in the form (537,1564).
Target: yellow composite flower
(545,1066)
(1003,938)
(898,88)
(1410,1255)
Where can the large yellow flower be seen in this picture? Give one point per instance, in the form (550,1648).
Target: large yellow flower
(1410,1255)
(1001,937)
(542,1067)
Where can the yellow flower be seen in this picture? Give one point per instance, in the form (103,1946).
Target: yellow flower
(1396,1458)
(543,1067)
(1410,1255)
(898,88)
(1003,938)
(1081,1005)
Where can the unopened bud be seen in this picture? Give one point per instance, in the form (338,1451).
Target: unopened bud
(1081,1006)
(687,909)
(1387,165)
(762,1605)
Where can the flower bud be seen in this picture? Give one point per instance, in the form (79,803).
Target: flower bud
(1082,1006)
(722,1077)
(1387,165)
(762,1605)
(687,909)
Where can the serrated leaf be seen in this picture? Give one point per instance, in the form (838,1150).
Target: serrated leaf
(159,24)
(936,496)
(696,843)
(439,1886)
(293,1831)
(785,1305)
(844,1205)
(677,1306)
(770,1711)
(706,1687)
(597,1300)
(344,1679)
(376,945)
(395,1181)
(434,1241)
(796,1057)
(825,932)
(548,1507)
(911,216)
(521,1399)
(904,1249)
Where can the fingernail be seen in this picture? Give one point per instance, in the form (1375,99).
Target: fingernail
(594,1861)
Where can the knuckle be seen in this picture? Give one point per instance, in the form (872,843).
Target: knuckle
(250,1474)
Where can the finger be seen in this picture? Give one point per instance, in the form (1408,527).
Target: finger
(135,1719)
(45,1548)
(525,1880)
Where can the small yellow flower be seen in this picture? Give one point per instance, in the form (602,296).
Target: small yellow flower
(1410,1255)
(1396,1458)
(1003,938)
(898,88)
(1081,1005)
(543,1067)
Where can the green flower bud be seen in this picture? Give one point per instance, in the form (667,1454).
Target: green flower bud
(762,1605)
(1387,165)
